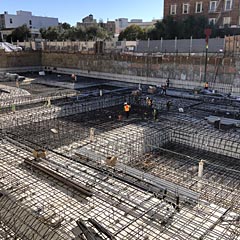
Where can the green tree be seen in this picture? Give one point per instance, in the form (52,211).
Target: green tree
(170,27)
(191,26)
(132,33)
(102,34)
(80,34)
(50,33)
(19,34)
(66,26)
(66,32)
(91,33)
(157,32)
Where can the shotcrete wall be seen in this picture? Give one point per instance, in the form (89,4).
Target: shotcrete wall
(20,61)
(183,71)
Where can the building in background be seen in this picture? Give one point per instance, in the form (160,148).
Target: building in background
(140,23)
(219,12)
(123,23)
(114,27)
(110,26)
(11,21)
(87,21)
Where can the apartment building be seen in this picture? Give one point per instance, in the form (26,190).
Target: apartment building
(219,12)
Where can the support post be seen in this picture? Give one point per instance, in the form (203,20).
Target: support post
(205,66)
(92,132)
(200,174)
(207,32)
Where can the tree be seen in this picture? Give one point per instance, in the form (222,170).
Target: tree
(132,33)
(80,34)
(91,33)
(157,32)
(66,26)
(170,27)
(19,34)
(102,34)
(191,26)
(51,33)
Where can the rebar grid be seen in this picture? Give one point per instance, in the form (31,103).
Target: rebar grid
(115,204)
(166,149)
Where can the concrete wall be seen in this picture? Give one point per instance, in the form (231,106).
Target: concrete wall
(183,71)
(20,61)
(223,74)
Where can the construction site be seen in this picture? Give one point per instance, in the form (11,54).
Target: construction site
(74,167)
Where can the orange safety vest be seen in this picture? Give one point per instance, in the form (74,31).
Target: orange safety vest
(126,108)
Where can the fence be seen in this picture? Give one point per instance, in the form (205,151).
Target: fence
(181,46)
(228,45)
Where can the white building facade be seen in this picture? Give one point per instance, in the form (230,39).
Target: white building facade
(10,21)
(123,23)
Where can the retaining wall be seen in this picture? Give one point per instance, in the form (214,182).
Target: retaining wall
(184,71)
(20,61)
(187,72)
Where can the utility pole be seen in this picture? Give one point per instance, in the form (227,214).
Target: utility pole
(207,32)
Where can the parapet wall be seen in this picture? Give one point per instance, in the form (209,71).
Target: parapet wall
(184,71)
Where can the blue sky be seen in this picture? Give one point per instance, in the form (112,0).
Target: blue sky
(73,11)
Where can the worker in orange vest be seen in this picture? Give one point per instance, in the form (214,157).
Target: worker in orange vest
(127,109)
(206,85)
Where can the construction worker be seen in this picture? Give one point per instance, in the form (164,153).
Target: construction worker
(167,83)
(127,109)
(13,108)
(74,77)
(164,89)
(168,105)
(206,85)
(149,102)
(155,114)
(17,83)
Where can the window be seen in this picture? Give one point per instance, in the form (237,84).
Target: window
(10,20)
(228,5)
(212,21)
(226,20)
(30,22)
(213,6)
(185,9)
(173,9)
(199,8)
